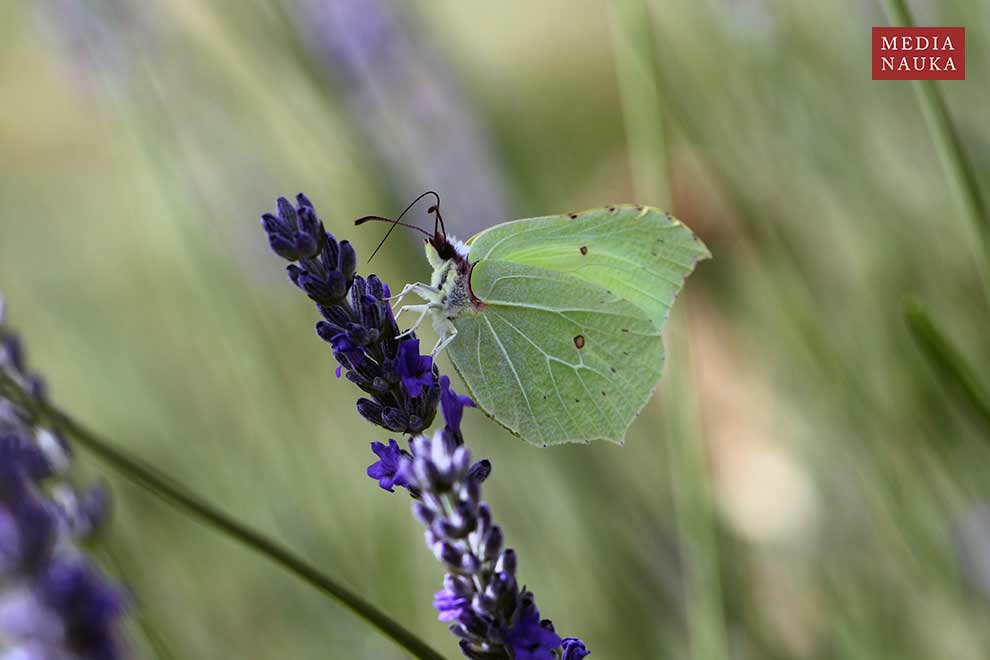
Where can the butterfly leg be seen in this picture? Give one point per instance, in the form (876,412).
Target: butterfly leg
(445,338)
(423,311)
(414,287)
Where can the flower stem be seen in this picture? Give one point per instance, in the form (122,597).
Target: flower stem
(958,169)
(166,489)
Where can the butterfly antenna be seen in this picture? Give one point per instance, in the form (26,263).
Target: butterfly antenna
(394,223)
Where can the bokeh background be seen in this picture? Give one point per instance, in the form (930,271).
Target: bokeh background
(802,486)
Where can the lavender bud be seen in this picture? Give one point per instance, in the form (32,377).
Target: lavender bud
(423,513)
(484,519)
(370,410)
(348,260)
(457,585)
(480,470)
(394,419)
(469,563)
(492,544)
(507,562)
(448,554)
(482,604)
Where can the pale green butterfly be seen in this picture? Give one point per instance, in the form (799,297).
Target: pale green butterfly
(554,323)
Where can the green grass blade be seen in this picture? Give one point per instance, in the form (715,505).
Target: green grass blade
(947,361)
(166,489)
(958,169)
(632,39)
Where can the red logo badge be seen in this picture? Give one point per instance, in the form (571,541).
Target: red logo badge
(920,53)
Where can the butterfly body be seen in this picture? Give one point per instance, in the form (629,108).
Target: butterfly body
(555,323)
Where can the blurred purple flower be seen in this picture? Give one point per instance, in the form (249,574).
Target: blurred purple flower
(53,603)
(382,70)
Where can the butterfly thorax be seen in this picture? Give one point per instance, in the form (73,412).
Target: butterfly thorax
(450,280)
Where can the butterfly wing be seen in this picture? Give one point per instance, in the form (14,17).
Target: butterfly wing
(554,358)
(640,253)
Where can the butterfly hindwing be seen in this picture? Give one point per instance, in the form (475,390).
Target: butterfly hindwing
(555,358)
(640,253)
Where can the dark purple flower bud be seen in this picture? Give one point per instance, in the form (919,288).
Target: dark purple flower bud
(377,288)
(327,290)
(507,562)
(336,315)
(448,554)
(458,585)
(386,469)
(330,257)
(371,312)
(483,604)
(327,331)
(360,335)
(484,519)
(574,649)
(460,462)
(423,513)
(470,563)
(348,260)
(471,493)
(480,471)
(370,410)
(359,288)
(395,419)
(293,235)
(492,544)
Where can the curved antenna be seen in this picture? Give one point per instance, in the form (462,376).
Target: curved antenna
(433,209)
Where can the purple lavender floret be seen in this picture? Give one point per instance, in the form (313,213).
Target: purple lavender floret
(401,385)
(53,602)
(386,469)
(494,618)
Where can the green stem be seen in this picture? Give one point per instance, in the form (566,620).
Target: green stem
(947,361)
(958,170)
(633,45)
(166,489)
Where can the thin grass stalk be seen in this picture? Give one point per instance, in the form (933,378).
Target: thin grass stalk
(694,508)
(639,84)
(633,46)
(947,361)
(168,490)
(958,169)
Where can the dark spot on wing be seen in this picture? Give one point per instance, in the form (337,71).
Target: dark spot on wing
(584,249)
(579,341)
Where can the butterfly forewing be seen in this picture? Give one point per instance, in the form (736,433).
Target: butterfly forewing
(641,254)
(555,358)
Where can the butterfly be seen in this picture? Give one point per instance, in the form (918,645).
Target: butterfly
(554,323)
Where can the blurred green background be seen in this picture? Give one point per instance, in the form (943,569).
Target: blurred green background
(802,485)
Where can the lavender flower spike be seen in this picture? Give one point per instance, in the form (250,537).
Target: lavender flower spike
(402,388)
(494,618)
(492,615)
(53,602)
